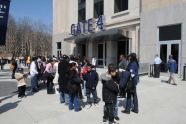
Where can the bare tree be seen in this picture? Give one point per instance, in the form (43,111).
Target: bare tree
(27,38)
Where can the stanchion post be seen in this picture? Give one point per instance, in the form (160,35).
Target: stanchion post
(184,73)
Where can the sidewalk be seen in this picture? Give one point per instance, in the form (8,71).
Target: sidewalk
(159,103)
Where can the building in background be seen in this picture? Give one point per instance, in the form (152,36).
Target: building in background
(147,27)
(101,28)
(163,31)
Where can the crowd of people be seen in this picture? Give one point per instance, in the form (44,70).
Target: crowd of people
(75,79)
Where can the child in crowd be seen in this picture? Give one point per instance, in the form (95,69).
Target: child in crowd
(110,91)
(91,78)
(21,83)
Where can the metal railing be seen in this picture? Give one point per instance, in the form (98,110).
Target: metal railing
(184,72)
(151,70)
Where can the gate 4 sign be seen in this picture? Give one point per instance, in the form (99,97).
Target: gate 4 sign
(88,26)
(4,12)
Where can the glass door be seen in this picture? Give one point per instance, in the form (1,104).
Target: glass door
(163,56)
(100,54)
(166,49)
(175,53)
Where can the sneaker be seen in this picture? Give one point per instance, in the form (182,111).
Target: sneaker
(135,111)
(19,97)
(116,118)
(105,120)
(71,108)
(35,90)
(126,112)
(113,122)
(62,102)
(174,84)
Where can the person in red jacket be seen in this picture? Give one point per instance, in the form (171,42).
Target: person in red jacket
(84,71)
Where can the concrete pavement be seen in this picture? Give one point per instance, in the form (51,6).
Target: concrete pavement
(159,103)
(8,85)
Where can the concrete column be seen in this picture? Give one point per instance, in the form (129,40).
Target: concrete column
(109,52)
(112,52)
(132,42)
(137,40)
(90,50)
(89,9)
(108,7)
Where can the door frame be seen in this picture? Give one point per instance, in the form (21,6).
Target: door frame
(103,59)
(169,43)
(126,49)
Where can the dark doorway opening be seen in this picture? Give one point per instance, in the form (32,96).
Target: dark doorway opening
(122,48)
(83,50)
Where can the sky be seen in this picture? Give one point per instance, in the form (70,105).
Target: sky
(36,10)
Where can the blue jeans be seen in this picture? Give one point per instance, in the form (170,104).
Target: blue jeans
(73,103)
(34,82)
(84,88)
(132,96)
(94,94)
(64,97)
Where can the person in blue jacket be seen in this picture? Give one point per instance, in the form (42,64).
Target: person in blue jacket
(133,67)
(91,78)
(172,66)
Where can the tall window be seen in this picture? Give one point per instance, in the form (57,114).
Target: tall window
(81,10)
(120,5)
(58,49)
(98,8)
(172,32)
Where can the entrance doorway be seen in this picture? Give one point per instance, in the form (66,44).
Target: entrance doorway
(83,50)
(101,54)
(170,44)
(169,48)
(122,48)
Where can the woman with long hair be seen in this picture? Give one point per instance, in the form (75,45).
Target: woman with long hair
(133,67)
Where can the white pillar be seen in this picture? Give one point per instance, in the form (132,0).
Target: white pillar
(89,50)
(109,52)
(137,40)
(108,7)
(132,42)
(89,9)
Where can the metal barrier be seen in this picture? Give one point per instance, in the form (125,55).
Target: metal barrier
(184,73)
(151,70)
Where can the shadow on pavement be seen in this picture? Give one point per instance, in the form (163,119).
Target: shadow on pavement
(8,106)
(164,81)
(7,97)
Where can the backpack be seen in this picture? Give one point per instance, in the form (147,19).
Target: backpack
(125,82)
(172,66)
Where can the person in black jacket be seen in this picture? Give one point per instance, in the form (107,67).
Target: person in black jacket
(110,90)
(73,87)
(63,70)
(91,78)
(132,98)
